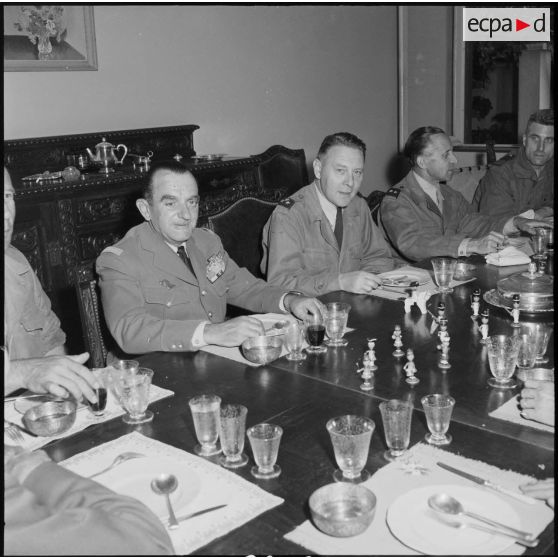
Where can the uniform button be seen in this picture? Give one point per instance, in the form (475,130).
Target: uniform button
(168,303)
(210,314)
(180,345)
(204,293)
(173,346)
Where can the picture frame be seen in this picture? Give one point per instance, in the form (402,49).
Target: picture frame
(72,48)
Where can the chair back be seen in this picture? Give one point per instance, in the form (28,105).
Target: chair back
(240,228)
(374,200)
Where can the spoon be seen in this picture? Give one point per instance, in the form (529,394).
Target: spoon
(165,484)
(277,325)
(446,504)
(117,460)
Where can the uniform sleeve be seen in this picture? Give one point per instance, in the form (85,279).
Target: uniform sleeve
(284,242)
(494,195)
(377,256)
(133,328)
(410,237)
(56,512)
(473,224)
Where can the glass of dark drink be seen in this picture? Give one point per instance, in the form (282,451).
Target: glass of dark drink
(98,408)
(315,333)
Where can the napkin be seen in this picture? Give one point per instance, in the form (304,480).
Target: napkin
(510,411)
(510,255)
(244,499)
(419,469)
(84,418)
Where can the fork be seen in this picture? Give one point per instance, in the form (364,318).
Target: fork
(117,460)
(13,432)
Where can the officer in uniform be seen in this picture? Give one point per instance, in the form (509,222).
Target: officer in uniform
(323,238)
(423,217)
(165,286)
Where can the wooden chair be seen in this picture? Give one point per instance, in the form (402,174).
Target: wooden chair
(240,228)
(374,200)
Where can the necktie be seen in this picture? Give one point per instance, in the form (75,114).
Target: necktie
(338,230)
(184,257)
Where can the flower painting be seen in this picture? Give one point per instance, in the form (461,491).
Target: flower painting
(49,37)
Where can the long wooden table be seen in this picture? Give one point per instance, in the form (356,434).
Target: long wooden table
(302,397)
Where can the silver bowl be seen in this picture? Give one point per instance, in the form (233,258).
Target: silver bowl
(51,418)
(342,509)
(539,374)
(464,271)
(262,349)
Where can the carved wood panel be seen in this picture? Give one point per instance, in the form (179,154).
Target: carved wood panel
(92,245)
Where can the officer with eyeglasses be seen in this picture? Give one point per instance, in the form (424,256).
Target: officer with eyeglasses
(165,286)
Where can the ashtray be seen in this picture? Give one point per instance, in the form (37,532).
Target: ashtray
(262,349)
(50,418)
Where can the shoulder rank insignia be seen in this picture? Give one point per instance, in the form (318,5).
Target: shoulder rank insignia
(394,192)
(215,267)
(287,202)
(113,250)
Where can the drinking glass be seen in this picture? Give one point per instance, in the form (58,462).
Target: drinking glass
(315,332)
(206,415)
(396,416)
(350,436)
(444,270)
(438,409)
(135,396)
(539,241)
(98,409)
(503,351)
(118,371)
(542,333)
(527,351)
(337,314)
(264,440)
(294,340)
(233,430)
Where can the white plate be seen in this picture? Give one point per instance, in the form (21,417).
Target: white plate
(411,520)
(133,478)
(403,278)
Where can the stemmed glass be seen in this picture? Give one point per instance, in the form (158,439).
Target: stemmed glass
(118,371)
(503,351)
(337,314)
(207,423)
(438,409)
(135,396)
(396,416)
(350,437)
(264,440)
(294,340)
(444,270)
(315,333)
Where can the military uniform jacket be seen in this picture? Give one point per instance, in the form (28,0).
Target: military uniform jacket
(416,228)
(514,187)
(301,252)
(153,302)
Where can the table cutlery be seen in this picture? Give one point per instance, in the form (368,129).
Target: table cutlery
(446,504)
(27,396)
(521,497)
(117,460)
(200,512)
(18,428)
(491,530)
(276,328)
(13,433)
(164,485)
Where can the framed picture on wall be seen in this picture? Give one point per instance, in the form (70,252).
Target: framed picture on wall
(49,37)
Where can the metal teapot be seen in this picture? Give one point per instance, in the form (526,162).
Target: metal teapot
(105,156)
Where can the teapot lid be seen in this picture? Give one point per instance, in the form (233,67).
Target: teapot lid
(103,143)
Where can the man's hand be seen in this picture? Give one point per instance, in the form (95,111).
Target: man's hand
(60,375)
(544,212)
(233,332)
(543,489)
(360,282)
(537,401)
(487,244)
(529,225)
(301,306)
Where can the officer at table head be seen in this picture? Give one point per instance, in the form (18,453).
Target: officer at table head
(526,181)
(323,238)
(165,286)
(34,341)
(424,217)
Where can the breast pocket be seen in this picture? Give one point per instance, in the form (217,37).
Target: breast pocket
(165,297)
(317,261)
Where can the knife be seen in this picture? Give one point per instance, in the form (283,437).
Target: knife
(200,512)
(521,497)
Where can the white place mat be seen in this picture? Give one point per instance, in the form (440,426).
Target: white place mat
(419,469)
(84,418)
(244,500)
(510,411)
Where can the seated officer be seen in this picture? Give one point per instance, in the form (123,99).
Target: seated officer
(323,238)
(165,286)
(423,217)
(526,181)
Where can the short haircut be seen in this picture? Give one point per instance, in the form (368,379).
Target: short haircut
(342,138)
(418,141)
(543,116)
(170,166)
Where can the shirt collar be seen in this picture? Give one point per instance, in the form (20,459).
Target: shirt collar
(428,188)
(175,248)
(330,209)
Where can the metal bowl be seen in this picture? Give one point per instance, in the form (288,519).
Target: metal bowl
(342,509)
(464,271)
(262,349)
(51,418)
(539,374)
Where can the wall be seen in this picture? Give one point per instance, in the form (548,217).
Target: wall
(249,76)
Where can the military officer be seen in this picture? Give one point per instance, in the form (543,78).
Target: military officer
(165,286)
(423,217)
(323,238)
